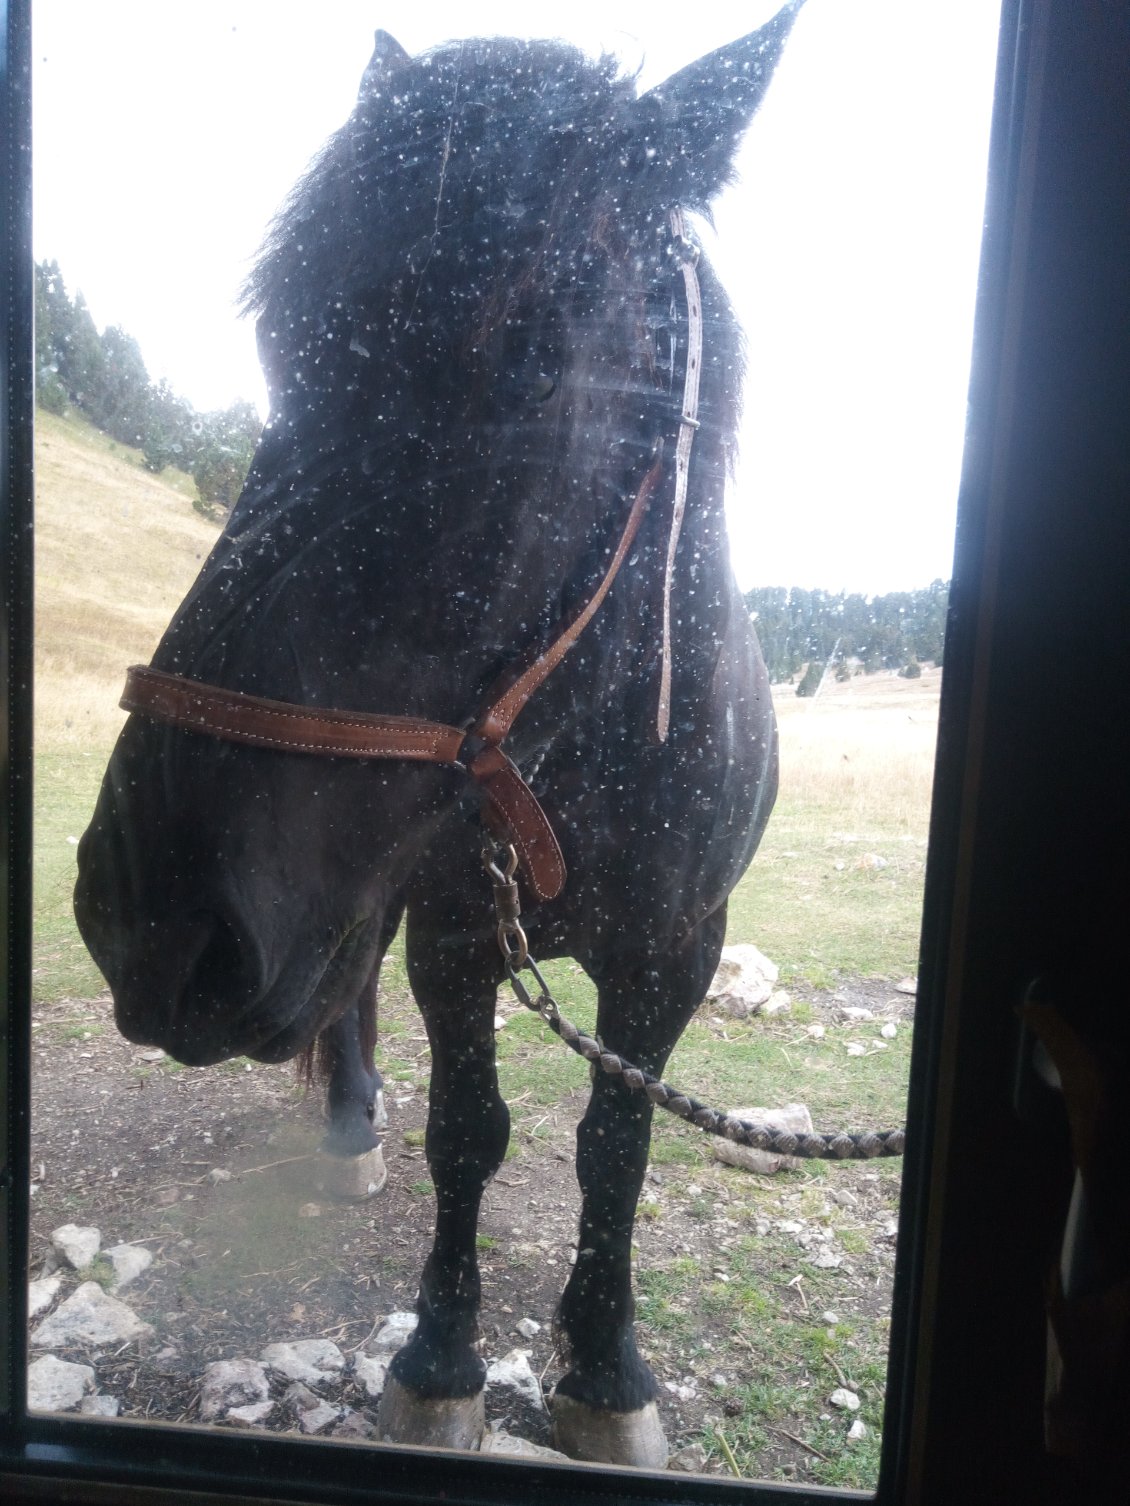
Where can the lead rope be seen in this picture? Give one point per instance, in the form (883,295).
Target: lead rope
(501,864)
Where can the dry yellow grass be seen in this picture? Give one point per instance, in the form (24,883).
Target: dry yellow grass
(836,886)
(863,751)
(116,549)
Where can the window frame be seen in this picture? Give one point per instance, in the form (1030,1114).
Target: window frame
(967,1325)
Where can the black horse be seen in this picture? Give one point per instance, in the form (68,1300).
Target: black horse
(480,336)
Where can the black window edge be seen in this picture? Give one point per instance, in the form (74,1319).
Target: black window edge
(48,1458)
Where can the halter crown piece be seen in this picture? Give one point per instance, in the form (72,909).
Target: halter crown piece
(510,806)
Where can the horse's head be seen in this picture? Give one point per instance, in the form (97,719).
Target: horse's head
(469,315)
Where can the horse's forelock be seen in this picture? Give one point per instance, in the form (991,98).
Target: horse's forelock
(376,179)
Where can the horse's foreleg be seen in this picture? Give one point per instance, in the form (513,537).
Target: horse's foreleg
(434,1392)
(354,1094)
(352,1165)
(604,1407)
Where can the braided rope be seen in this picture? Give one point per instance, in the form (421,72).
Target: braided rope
(813,1147)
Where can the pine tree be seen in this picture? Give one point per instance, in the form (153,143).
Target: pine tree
(810,683)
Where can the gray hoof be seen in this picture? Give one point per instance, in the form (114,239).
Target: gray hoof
(404,1417)
(585,1432)
(350,1178)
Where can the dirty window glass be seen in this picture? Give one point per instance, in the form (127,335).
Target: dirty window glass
(471,403)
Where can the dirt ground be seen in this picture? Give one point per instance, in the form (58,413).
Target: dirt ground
(127,1140)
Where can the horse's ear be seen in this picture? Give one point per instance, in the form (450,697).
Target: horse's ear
(689,127)
(387,53)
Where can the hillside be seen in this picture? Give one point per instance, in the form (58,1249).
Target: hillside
(116,549)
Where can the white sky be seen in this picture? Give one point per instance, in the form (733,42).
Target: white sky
(167,132)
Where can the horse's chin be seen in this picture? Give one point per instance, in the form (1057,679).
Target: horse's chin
(200,1028)
(287,1042)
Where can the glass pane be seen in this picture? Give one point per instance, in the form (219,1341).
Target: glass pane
(476,331)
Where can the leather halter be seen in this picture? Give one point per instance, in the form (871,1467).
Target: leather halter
(511,808)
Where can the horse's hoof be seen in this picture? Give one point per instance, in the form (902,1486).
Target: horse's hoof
(439,1422)
(351,1178)
(585,1432)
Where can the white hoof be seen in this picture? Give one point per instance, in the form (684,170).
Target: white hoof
(350,1178)
(404,1417)
(585,1432)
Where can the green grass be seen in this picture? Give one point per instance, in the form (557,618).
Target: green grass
(66,787)
(779,1366)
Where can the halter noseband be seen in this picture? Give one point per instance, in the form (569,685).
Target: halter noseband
(511,806)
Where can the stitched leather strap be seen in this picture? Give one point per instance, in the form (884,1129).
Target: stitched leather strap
(238,718)
(509,694)
(688,426)
(259,722)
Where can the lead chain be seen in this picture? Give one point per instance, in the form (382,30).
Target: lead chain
(501,864)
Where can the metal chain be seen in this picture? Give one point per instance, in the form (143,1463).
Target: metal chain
(512,941)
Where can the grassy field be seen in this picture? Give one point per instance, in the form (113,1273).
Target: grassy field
(115,550)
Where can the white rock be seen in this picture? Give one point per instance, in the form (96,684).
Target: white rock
(528,1327)
(313,1414)
(778,1002)
(845,1399)
(829,1317)
(317,1419)
(128,1261)
(793,1117)
(855,1049)
(351,1424)
(252,1416)
(817,1032)
(857,1430)
(872,860)
(309,1360)
(692,1459)
(907,986)
(513,1372)
(827,1259)
(100,1405)
(219,1174)
(41,1294)
(89,1316)
(502,1442)
(743,982)
(231,1383)
(395,1332)
(371,1373)
(55,1385)
(76,1244)
(856,1012)
(889,1031)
